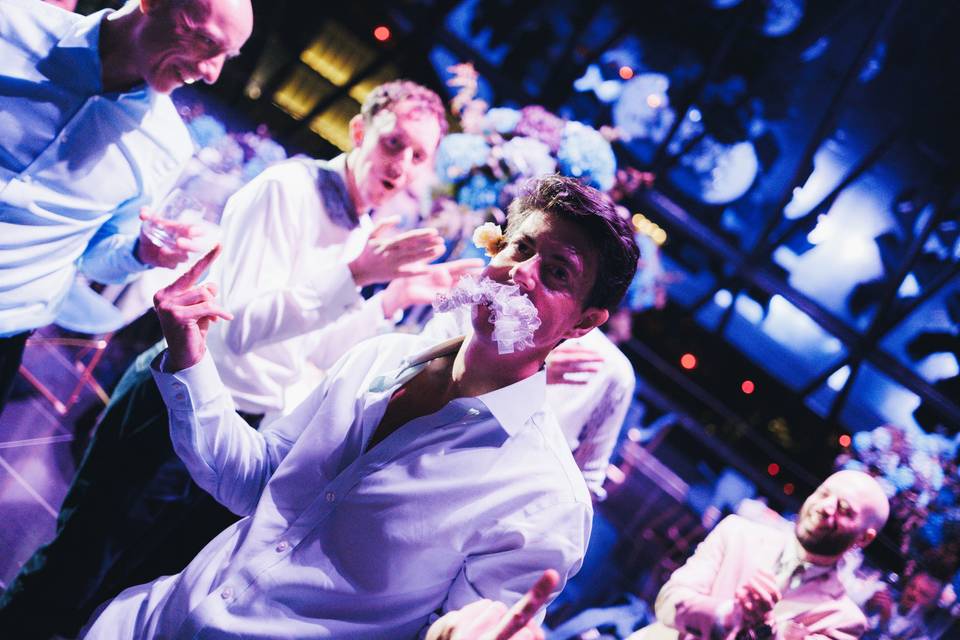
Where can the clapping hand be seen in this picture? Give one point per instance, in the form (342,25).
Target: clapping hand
(572,358)
(489,620)
(385,258)
(756,598)
(425,287)
(186,310)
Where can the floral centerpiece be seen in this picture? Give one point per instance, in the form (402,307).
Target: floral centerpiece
(918,471)
(481,167)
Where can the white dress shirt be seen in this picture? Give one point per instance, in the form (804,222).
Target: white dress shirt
(473,501)
(287,239)
(76,164)
(591,414)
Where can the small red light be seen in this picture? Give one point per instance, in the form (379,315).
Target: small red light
(688,361)
(626,72)
(773,468)
(844,440)
(788,488)
(382,33)
(747,387)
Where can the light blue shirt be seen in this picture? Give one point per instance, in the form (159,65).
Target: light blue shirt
(76,164)
(473,501)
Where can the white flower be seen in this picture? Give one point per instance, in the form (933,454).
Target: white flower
(488,237)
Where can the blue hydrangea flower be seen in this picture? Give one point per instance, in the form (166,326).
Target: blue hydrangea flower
(528,157)
(862,441)
(903,478)
(480,192)
(585,154)
(458,154)
(501,119)
(206,130)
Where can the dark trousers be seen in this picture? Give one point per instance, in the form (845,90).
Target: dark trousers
(131,515)
(11,355)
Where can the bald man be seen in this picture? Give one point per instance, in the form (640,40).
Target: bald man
(89,137)
(749,581)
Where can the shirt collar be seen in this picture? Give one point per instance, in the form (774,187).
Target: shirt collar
(83,38)
(514,404)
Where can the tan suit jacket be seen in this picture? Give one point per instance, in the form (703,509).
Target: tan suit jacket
(735,550)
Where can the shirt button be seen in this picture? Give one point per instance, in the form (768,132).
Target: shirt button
(331,496)
(227,593)
(283,546)
(473,412)
(180,396)
(63,137)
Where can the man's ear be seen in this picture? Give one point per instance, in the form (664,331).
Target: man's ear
(867,537)
(356,130)
(591,318)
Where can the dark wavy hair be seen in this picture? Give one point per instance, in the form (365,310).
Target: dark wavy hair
(595,214)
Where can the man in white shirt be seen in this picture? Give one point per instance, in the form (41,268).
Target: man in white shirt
(89,138)
(299,244)
(416,480)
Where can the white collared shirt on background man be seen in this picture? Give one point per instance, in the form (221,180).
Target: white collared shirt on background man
(473,501)
(76,164)
(284,275)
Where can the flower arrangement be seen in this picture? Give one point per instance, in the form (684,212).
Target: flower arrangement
(918,471)
(499,147)
(481,167)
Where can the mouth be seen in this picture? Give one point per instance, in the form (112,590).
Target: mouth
(185,79)
(388,185)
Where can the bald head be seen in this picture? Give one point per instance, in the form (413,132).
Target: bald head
(847,510)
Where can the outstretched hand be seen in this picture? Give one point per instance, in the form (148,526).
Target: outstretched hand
(490,620)
(385,258)
(186,310)
(425,287)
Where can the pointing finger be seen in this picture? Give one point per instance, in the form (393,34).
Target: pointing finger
(523,612)
(190,277)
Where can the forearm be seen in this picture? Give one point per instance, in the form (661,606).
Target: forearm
(224,455)
(360,323)
(110,259)
(275,315)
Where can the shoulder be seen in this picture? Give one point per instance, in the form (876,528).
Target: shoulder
(165,125)
(35,21)
(616,365)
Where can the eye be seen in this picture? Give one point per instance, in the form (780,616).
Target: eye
(393,143)
(559,273)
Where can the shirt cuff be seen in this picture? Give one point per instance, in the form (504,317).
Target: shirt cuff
(336,283)
(128,260)
(190,388)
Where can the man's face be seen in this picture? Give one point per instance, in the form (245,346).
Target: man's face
(833,518)
(394,151)
(555,266)
(922,591)
(181,43)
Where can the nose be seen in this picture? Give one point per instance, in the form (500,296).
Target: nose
(402,165)
(524,274)
(211,67)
